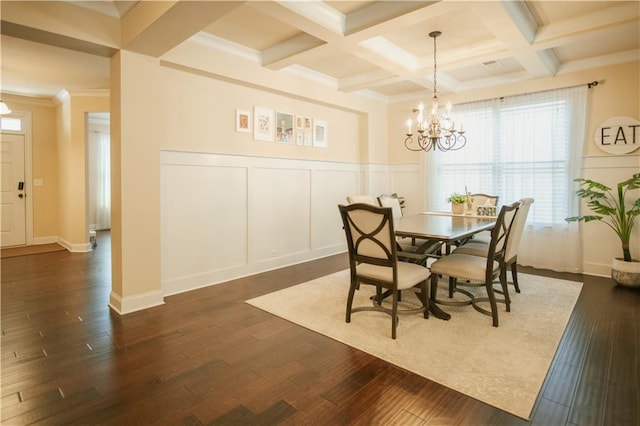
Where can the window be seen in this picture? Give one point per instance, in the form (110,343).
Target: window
(11,124)
(522,146)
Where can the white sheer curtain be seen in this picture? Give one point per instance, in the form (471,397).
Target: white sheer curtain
(522,146)
(100,179)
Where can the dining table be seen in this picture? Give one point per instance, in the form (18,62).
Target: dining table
(432,227)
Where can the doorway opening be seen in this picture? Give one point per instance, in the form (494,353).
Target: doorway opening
(98,174)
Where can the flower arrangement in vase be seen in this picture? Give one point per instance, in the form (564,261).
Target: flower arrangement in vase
(457,202)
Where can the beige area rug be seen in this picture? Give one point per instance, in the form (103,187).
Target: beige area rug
(27,250)
(503,367)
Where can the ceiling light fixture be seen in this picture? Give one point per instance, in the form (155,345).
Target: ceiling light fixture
(437,131)
(4,109)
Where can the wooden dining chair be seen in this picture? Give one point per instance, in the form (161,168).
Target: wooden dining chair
(513,243)
(477,271)
(373,260)
(362,198)
(408,244)
(480,200)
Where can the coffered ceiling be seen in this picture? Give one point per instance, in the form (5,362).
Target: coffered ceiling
(379,47)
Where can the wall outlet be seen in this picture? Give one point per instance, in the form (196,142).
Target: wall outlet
(38,182)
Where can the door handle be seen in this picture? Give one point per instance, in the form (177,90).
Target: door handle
(21,195)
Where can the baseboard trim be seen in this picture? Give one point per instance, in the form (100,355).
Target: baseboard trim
(194,282)
(596,269)
(138,302)
(44,240)
(74,248)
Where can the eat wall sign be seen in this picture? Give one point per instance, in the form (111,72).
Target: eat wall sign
(618,135)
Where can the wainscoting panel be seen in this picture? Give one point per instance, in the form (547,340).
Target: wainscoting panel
(378,180)
(330,188)
(279,210)
(600,243)
(227,216)
(204,222)
(405,182)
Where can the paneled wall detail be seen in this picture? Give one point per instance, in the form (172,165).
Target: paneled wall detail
(600,244)
(227,216)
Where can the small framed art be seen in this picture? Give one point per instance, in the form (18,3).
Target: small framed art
(263,119)
(320,133)
(284,127)
(243,121)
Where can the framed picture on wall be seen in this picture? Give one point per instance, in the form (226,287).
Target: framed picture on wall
(320,133)
(299,122)
(243,121)
(284,127)
(300,138)
(263,127)
(307,138)
(308,123)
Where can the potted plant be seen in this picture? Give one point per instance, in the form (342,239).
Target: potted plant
(457,202)
(611,208)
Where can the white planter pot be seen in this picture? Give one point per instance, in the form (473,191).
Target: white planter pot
(626,273)
(457,208)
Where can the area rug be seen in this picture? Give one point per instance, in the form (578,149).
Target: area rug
(504,367)
(27,250)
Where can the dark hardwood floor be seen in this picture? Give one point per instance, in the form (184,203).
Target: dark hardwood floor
(207,358)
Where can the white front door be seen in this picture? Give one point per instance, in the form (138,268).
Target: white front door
(12,191)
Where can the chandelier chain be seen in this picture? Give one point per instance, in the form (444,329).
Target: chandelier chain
(435,69)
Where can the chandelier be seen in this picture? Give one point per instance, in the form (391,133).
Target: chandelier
(437,130)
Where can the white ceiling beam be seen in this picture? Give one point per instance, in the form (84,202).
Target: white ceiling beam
(516,33)
(381,12)
(64,25)
(284,54)
(576,29)
(600,61)
(155,27)
(318,12)
(367,80)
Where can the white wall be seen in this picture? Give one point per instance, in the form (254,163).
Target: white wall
(600,243)
(229,216)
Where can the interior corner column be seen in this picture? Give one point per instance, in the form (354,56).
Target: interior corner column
(135,183)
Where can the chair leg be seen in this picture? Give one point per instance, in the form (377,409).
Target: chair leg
(492,302)
(352,290)
(452,286)
(434,286)
(378,298)
(505,287)
(425,297)
(394,314)
(514,274)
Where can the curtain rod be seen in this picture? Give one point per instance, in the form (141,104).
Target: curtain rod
(591,84)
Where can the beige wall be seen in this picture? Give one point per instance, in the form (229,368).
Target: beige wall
(200,116)
(357,125)
(43,164)
(73,228)
(616,95)
(136,131)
